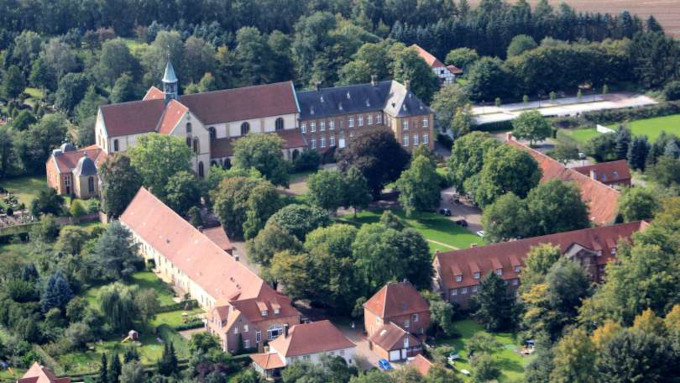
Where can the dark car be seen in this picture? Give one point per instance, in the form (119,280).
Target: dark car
(445,212)
(462,222)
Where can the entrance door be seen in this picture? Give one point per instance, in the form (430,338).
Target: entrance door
(395,355)
(404,353)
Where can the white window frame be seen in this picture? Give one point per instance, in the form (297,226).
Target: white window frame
(303,127)
(459,277)
(312,126)
(454,292)
(361,120)
(351,122)
(404,125)
(515,282)
(426,138)
(477,275)
(369,119)
(258,336)
(322,125)
(378,118)
(415,140)
(463,291)
(323,142)
(313,143)
(331,125)
(426,122)
(246,343)
(332,140)
(499,272)
(245,328)
(405,140)
(518,269)
(415,318)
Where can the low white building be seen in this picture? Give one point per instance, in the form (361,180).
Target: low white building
(447,73)
(304,342)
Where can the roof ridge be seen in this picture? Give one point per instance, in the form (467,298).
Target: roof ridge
(191,95)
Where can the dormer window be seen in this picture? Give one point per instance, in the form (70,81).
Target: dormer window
(321,98)
(518,269)
(277,311)
(311,110)
(368,102)
(616,174)
(349,97)
(499,271)
(477,275)
(264,313)
(612,251)
(340,106)
(459,277)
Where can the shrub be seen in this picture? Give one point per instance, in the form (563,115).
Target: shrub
(618,115)
(672,91)
(307,160)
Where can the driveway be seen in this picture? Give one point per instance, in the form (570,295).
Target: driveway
(464,210)
(364,356)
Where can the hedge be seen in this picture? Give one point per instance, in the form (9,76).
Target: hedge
(184,305)
(494,126)
(633,113)
(197,323)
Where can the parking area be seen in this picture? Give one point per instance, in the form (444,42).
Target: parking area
(461,210)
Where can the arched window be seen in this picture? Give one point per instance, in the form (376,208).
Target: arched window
(227,164)
(197,146)
(213,163)
(279,124)
(296,153)
(188,140)
(245,128)
(213,133)
(115,145)
(201,172)
(90,185)
(188,127)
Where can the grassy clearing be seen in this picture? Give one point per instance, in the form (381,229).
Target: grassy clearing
(143,279)
(25,188)
(432,226)
(175,318)
(652,127)
(34,93)
(581,135)
(511,363)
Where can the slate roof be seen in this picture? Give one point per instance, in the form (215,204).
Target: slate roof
(388,96)
(602,200)
(311,338)
(391,337)
(396,299)
(169,75)
(607,172)
(85,167)
(508,255)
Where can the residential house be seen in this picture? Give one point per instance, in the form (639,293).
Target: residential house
(421,364)
(243,310)
(41,374)
(612,173)
(458,273)
(447,73)
(393,343)
(74,172)
(304,342)
(602,200)
(331,118)
(400,303)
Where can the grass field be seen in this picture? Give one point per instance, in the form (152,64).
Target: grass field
(175,318)
(581,135)
(433,227)
(25,188)
(650,127)
(143,279)
(511,363)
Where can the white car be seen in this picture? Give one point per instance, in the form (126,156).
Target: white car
(481,233)
(465,372)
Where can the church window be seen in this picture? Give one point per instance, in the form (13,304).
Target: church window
(188,127)
(90,185)
(279,124)
(213,133)
(115,145)
(245,128)
(197,146)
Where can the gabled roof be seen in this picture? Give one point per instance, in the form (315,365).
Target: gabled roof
(311,338)
(268,300)
(268,361)
(391,337)
(388,96)
(219,236)
(68,161)
(41,374)
(174,112)
(428,57)
(421,364)
(153,94)
(135,117)
(607,172)
(242,103)
(454,69)
(507,255)
(602,200)
(396,298)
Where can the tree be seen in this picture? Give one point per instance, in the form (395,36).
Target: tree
(115,60)
(47,202)
(565,151)
(467,157)
(672,91)
(357,193)
(531,126)
(326,190)
(409,67)
(158,157)
(115,253)
(506,218)
(637,204)
(13,83)
(269,241)
(262,152)
(299,220)
(554,207)
(147,304)
(495,305)
(372,376)
(390,220)
(602,147)
(24,120)
(506,169)
(203,343)
(120,183)
(419,186)
(78,334)
(56,293)
(35,145)
(521,44)
(446,102)
(234,199)
(378,156)
(463,58)
(441,315)
(262,203)
(637,153)
(116,302)
(538,262)
(623,138)
(182,192)
(485,368)
(72,89)
(133,372)
(666,171)
(41,76)
(207,83)
(103,370)
(167,365)
(462,121)
(114,368)
(72,239)
(440,374)
(487,79)
(124,89)
(574,359)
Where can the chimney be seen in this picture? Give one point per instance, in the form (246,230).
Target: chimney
(317,85)
(592,174)
(374,80)
(200,228)
(285,330)
(508,136)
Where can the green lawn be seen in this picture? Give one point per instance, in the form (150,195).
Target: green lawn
(25,188)
(175,318)
(34,93)
(652,127)
(432,226)
(581,135)
(512,364)
(143,279)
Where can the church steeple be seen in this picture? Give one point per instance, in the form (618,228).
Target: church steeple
(169,82)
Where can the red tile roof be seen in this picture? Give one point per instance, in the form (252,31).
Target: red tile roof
(454,69)
(224,147)
(391,337)
(68,161)
(395,299)
(428,57)
(292,138)
(268,299)
(174,112)
(242,103)
(607,172)
(219,236)
(134,117)
(507,255)
(154,94)
(41,374)
(602,200)
(268,361)
(421,364)
(311,338)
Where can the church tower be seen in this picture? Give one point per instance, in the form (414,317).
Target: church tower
(169,83)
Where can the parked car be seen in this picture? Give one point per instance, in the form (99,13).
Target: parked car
(461,222)
(383,364)
(453,357)
(465,372)
(445,212)
(481,233)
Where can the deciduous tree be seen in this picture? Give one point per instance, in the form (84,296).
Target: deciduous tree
(262,152)
(120,183)
(158,157)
